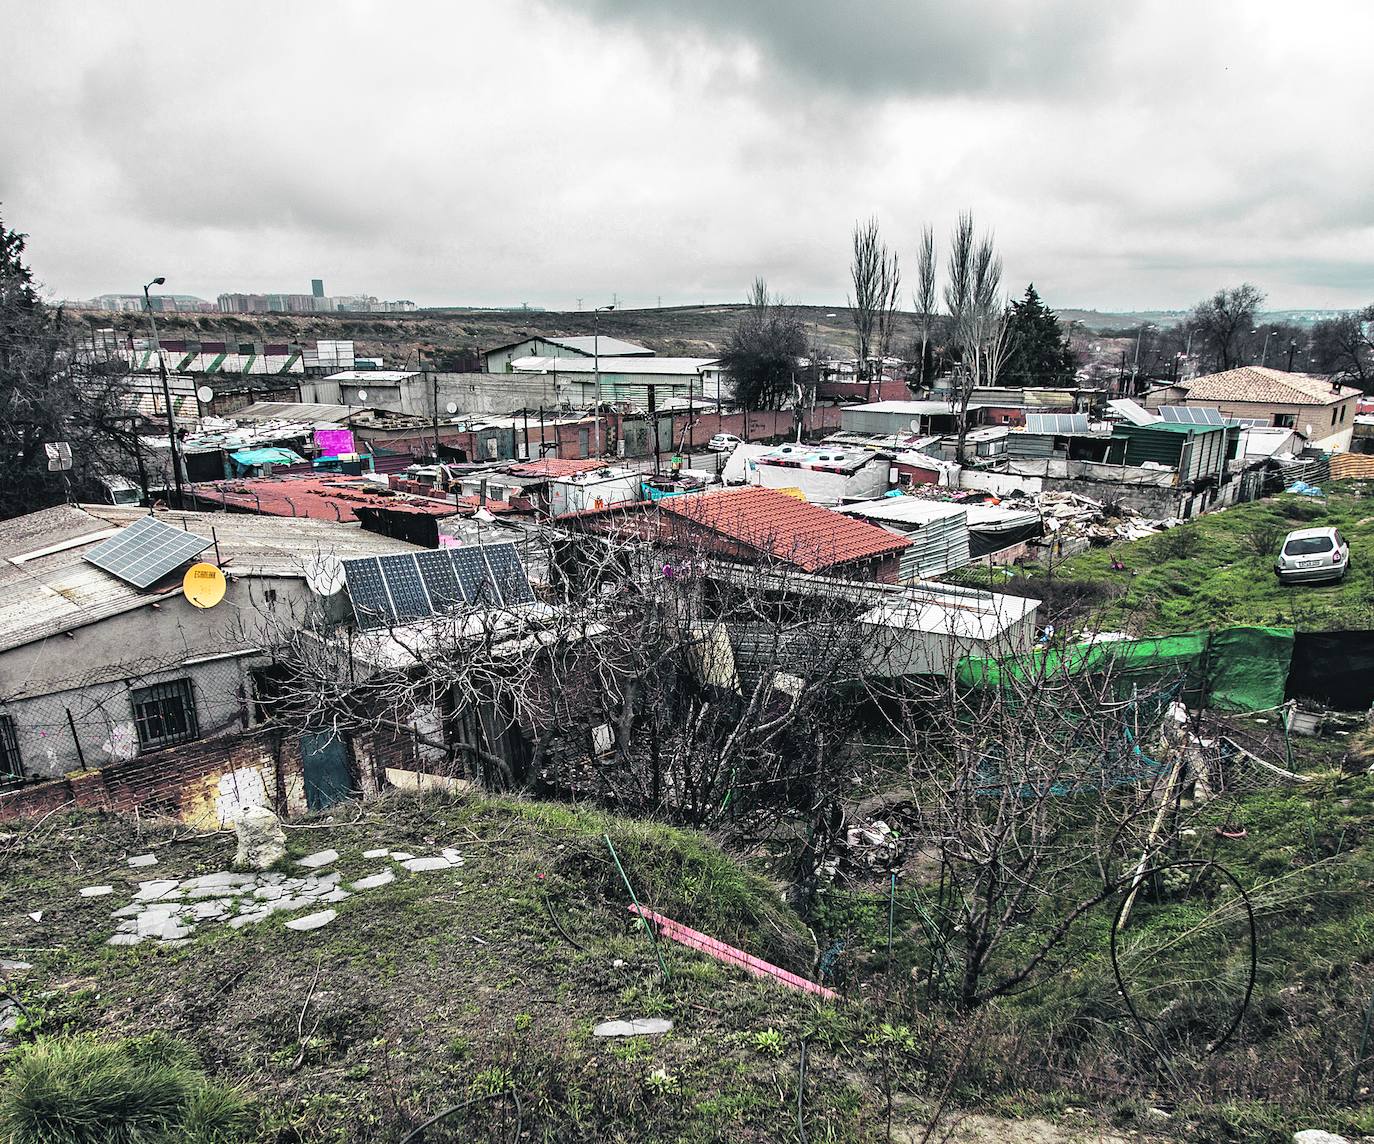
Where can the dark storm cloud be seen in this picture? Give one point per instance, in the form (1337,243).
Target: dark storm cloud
(901,47)
(499,151)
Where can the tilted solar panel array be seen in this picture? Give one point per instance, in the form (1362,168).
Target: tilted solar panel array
(1057,423)
(410,586)
(1191,415)
(145,551)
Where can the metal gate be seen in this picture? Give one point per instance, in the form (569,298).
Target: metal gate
(328,777)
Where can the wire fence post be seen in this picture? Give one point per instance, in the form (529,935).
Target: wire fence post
(653,937)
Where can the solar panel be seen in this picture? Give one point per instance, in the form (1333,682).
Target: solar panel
(1191,415)
(436,570)
(146,551)
(402,578)
(509,574)
(1057,423)
(475,577)
(409,586)
(367,590)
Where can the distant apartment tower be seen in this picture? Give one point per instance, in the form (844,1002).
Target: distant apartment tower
(317,287)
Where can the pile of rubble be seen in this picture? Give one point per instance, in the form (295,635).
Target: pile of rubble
(1071,516)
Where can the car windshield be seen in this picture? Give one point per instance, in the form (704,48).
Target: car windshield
(1308,546)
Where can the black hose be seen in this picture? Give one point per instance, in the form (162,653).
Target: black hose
(1196,865)
(548,909)
(418,1131)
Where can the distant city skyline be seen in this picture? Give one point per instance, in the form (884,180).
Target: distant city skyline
(1129,158)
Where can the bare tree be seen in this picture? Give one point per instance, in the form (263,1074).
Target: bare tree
(1344,347)
(1223,322)
(1041,790)
(977,314)
(654,678)
(926,297)
(764,347)
(876,279)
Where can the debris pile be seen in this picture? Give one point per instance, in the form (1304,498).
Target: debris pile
(1069,515)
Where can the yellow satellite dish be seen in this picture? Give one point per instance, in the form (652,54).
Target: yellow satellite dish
(204,585)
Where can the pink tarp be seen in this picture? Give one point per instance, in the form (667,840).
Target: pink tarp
(332,442)
(694,939)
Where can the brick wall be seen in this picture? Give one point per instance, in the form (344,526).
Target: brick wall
(198,783)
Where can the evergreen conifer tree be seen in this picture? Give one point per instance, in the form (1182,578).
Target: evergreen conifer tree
(1038,352)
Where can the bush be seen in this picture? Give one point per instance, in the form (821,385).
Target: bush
(1263,538)
(148,1090)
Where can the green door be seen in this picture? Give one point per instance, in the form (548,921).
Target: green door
(324,757)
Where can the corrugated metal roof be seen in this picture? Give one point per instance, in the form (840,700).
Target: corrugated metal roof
(316,498)
(295,411)
(555,467)
(799,533)
(377,376)
(46,595)
(654,365)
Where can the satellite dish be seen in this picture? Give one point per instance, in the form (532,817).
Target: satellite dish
(362,395)
(325,575)
(205,394)
(452,407)
(204,585)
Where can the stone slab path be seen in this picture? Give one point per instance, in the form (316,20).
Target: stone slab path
(169,911)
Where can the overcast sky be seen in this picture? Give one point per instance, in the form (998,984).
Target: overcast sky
(1126,155)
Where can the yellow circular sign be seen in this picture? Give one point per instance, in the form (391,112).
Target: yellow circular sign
(204,585)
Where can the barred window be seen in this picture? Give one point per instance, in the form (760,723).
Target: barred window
(165,714)
(11,767)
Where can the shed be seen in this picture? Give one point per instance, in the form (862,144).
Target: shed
(938,532)
(1196,451)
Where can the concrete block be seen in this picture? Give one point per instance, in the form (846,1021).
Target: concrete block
(637,1027)
(319,858)
(155,891)
(421,865)
(312,921)
(125,939)
(380,853)
(372,881)
(95,891)
(143,860)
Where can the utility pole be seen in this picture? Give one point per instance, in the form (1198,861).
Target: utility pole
(596,367)
(1292,349)
(166,390)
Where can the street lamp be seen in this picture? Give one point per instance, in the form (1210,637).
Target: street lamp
(166,390)
(596,366)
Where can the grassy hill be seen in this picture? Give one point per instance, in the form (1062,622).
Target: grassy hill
(1215,571)
(691,331)
(461,986)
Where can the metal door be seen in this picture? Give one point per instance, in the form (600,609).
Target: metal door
(324,758)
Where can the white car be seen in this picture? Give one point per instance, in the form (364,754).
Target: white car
(722,442)
(1312,554)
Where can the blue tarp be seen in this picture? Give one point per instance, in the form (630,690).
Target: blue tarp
(251,458)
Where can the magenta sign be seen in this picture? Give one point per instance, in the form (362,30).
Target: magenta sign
(333,442)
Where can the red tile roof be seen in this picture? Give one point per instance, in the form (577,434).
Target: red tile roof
(318,498)
(807,535)
(555,467)
(1266,386)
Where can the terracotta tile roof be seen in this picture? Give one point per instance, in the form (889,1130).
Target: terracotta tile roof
(318,498)
(1267,387)
(555,467)
(803,534)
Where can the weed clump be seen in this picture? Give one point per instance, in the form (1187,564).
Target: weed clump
(146,1090)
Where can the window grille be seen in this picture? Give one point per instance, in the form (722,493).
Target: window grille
(165,713)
